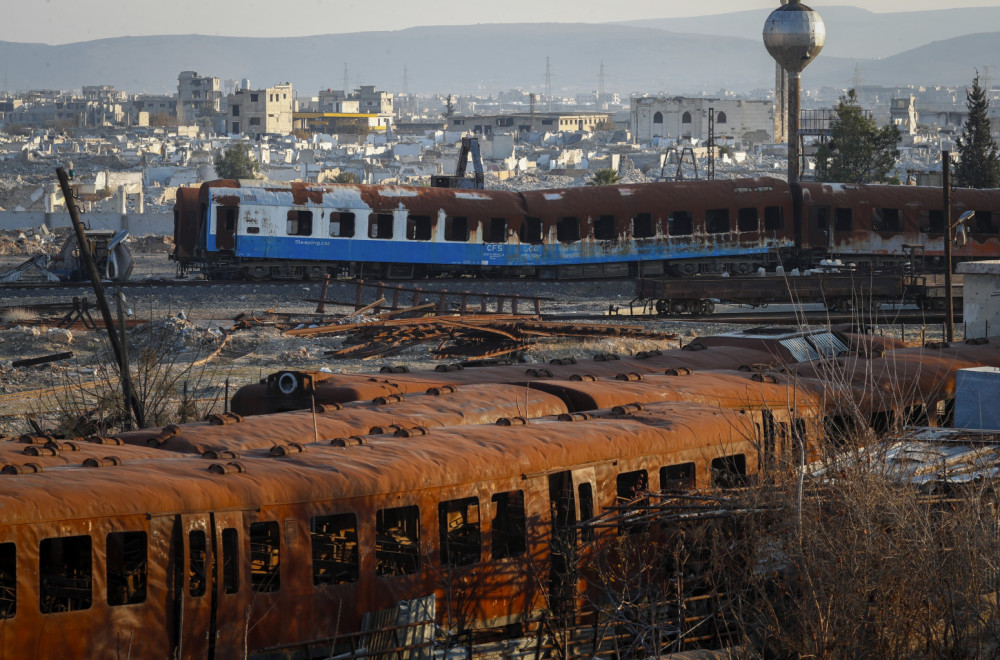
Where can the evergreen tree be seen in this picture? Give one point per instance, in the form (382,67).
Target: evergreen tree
(979,162)
(236,162)
(449,107)
(858,151)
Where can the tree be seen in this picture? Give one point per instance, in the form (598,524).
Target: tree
(449,107)
(236,162)
(979,164)
(858,151)
(604,177)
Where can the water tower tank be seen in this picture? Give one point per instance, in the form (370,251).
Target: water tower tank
(245,84)
(793,35)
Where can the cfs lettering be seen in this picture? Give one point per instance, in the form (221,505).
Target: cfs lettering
(490,247)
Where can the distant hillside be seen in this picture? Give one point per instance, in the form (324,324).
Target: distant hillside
(851,32)
(479,59)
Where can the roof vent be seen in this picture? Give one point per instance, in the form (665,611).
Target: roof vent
(26,468)
(539,373)
(563,361)
(104,440)
(41,450)
(574,417)
(583,377)
(387,399)
(605,357)
(107,461)
(449,367)
(353,441)
(220,454)
(442,389)
(628,409)
(398,369)
(223,419)
(233,467)
(286,449)
(631,376)
(512,421)
(409,433)
(328,407)
(645,355)
(694,346)
(678,371)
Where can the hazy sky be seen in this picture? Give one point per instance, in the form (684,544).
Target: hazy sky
(66,21)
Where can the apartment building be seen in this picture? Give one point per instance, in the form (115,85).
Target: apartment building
(255,111)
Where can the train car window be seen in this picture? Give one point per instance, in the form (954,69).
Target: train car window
(265,557)
(380,225)
(934,223)
(983,223)
(629,486)
(729,471)
(65,574)
(642,225)
(717,221)
(839,429)
(843,220)
(604,228)
(495,230)
(8,580)
(126,568)
(509,525)
(680,223)
(335,549)
(227,218)
(820,216)
(568,229)
(197,548)
(456,229)
(300,223)
(774,218)
(418,227)
(887,220)
(342,225)
(461,542)
(531,231)
(397,541)
(677,477)
(230,561)
(747,219)
(586,495)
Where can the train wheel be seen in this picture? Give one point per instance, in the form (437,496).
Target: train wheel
(707,307)
(678,307)
(686,269)
(743,268)
(662,307)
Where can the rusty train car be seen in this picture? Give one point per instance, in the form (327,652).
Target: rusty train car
(261,537)
(267,230)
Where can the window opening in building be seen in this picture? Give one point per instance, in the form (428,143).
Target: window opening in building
(509,525)
(686,118)
(300,223)
(658,118)
(65,574)
(720,118)
(334,549)
(126,568)
(397,541)
(458,521)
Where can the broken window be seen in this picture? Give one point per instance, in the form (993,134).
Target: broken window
(747,219)
(230,561)
(680,223)
(717,221)
(642,225)
(458,521)
(8,580)
(658,118)
(65,575)
(720,118)
(568,229)
(334,549)
(887,220)
(629,486)
(509,525)
(495,230)
(604,228)
(300,223)
(586,495)
(342,224)
(843,220)
(265,560)
(418,227)
(774,218)
(397,541)
(456,229)
(983,223)
(197,548)
(380,225)
(677,477)
(729,471)
(126,568)
(531,231)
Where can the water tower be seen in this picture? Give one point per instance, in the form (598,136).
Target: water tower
(793,35)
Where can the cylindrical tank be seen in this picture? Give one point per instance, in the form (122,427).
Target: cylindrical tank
(793,35)
(245,84)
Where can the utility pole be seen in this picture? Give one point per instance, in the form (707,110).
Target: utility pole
(949,323)
(548,85)
(102,302)
(710,174)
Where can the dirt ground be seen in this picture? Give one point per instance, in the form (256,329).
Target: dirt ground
(188,325)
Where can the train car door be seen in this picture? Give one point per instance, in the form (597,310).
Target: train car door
(818,235)
(195,623)
(562,544)
(225,227)
(230,558)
